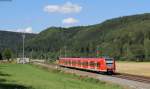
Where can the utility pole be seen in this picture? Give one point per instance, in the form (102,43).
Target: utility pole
(23,37)
(97,51)
(60,52)
(31,53)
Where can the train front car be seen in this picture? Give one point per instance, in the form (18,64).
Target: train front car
(110,65)
(103,65)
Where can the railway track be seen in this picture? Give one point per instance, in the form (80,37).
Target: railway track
(138,78)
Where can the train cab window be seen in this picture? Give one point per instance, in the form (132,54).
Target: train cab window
(109,62)
(109,59)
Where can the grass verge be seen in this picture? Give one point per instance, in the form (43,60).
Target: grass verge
(18,76)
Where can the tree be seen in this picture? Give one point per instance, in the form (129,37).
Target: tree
(127,52)
(147,48)
(138,52)
(7,54)
(1,57)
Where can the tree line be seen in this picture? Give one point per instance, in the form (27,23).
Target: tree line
(124,38)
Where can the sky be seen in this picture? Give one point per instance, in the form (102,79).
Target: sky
(37,15)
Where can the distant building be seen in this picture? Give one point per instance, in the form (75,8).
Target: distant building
(23,60)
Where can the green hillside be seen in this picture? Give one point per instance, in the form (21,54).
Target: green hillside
(12,40)
(126,38)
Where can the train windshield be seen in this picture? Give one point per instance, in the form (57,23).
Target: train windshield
(109,61)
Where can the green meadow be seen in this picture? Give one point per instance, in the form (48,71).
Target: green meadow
(27,76)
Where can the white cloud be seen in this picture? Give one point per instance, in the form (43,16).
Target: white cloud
(70,20)
(26,30)
(51,8)
(66,8)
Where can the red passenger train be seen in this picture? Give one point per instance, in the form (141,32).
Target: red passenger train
(94,64)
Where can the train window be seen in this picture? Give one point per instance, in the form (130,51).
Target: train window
(82,63)
(73,63)
(69,62)
(92,64)
(65,62)
(79,63)
(98,64)
(85,63)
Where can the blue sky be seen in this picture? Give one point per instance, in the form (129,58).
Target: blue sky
(37,15)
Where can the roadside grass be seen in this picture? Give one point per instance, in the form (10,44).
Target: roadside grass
(136,68)
(19,76)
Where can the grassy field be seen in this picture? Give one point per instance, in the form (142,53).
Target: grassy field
(137,68)
(31,77)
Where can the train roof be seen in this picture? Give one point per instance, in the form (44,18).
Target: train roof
(83,58)
(77,58)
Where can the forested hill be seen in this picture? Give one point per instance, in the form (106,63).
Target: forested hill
(126,38)
(12,40)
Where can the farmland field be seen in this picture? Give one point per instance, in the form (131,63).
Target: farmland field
(137,68)
(19,76)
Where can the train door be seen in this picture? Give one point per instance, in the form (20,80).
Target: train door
(97,64)
(92,64)
(103,66)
